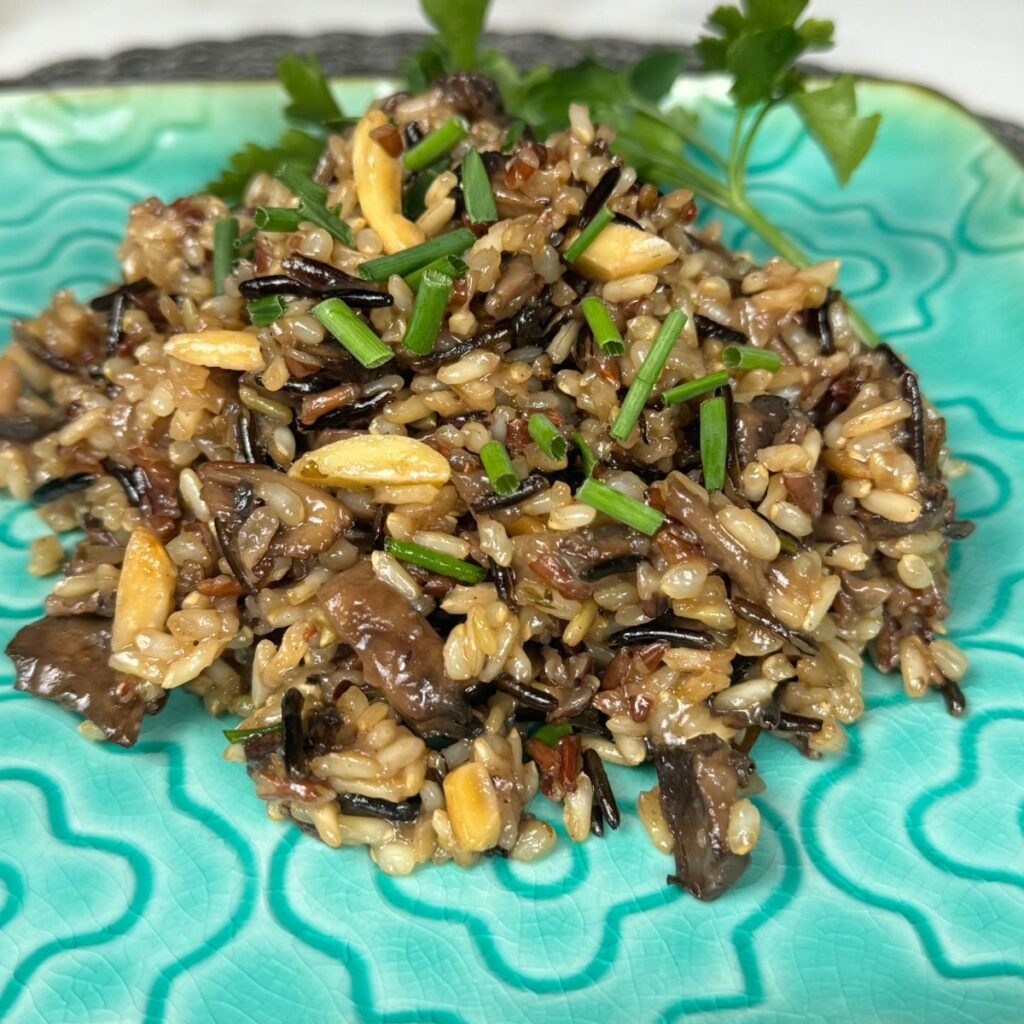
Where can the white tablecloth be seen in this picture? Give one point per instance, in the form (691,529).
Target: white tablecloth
(971,49)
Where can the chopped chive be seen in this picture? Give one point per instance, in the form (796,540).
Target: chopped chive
(264,311)
(435,561)
(620,506)
(587,456)
(455,243)
(476,190)
(352,333)
(512,134)
(427,311)
(225,235)
(601,220)
(450,266)
(435,145)
(599,320)
(313,203)
(243,244)
(693,388)
(234,735)
(714,439)
(551,734)
(276,218)
(647,376)
(498,467)
(550,440)
(747,357)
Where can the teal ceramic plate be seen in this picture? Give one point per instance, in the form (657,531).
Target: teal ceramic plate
(889,881)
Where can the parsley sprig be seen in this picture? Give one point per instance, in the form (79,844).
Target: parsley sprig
(756,43)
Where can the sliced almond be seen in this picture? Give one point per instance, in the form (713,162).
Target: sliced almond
(472,807)
(220,350)
(145,590)
(619,251)
(373,460)
(378,178)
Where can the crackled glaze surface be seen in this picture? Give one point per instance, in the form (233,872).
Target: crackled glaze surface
(888,884)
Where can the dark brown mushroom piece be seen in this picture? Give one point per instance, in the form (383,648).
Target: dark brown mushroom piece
(65,660)
(698,781)
(400,653)
(681,500)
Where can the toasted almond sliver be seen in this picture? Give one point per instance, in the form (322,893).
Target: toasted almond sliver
(223,350)
(372,460)
(378,178)
(145,590)
(619,251)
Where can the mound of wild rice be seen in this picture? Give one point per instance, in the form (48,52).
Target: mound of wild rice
(435,557)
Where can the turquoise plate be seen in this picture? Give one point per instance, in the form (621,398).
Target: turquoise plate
(889,881)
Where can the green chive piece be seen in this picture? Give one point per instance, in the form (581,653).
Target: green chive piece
(714,439)
(450,266)
(344,323)
(276,218)
(599,320)
(587,456)
(747,357)
(601,220)
(455,243)
(234,735)
(435,145)
(225,235)
(620,506)
(693,388)
(498,467)
(551,734)
(476,190)
(512,135)
(313,203)
(549,439)
(427,311)
(264,311)
(435,561)
(647,376)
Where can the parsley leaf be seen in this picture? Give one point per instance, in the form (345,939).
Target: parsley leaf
(758,46)
(295,147)
(311,98)
(830,115)
(459,24)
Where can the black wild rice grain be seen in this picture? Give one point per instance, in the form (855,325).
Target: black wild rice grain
(956,702)
(599,195)
(911,391)
(653,632)
(126,479)
(504,581)
(61,486)
(796,723)
(609,567)
(707,328)
(760,616)
(403,811)
(291,721)
(526,694)
(604,798)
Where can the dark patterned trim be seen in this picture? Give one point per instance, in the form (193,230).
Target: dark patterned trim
(343,53)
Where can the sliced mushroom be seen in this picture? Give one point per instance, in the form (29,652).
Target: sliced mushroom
(401,654)
(378,178)
(65,660)
(698,782)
